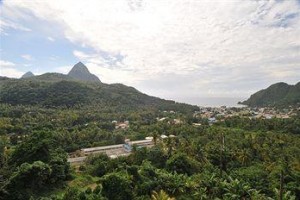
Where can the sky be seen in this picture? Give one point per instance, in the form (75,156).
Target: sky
(183,50)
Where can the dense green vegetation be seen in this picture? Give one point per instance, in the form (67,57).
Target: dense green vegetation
(276,124)
(35,164)
(58,90)
(279,94)
(238,158)
(43,118)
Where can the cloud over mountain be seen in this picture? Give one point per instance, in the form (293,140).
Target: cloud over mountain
(208,47)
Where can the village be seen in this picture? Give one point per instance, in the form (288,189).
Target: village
(213,114)
(210,114)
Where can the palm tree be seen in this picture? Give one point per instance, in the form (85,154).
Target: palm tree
(212,186)
(3,150)
(155,137)
(199,153)
(235,189)
(170,143)
(161,195)
(201,194)
(285,195)
(243,156)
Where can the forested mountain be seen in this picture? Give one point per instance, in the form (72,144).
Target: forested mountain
(278,94)
(59,90)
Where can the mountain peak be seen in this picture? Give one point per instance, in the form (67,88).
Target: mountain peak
(27,74)
(80,65)
(81,72)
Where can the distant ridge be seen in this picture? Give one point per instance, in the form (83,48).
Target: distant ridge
(278,94)
(52,77)
(28,75)
(81,72)
(80,88)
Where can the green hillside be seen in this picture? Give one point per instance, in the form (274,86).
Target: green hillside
(58,90)
(279,94)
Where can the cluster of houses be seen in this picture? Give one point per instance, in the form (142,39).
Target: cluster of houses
(215,113)
(169,120)
(269,113)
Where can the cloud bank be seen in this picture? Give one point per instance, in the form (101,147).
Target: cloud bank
(178,48)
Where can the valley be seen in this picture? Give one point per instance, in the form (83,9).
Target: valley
(149,100)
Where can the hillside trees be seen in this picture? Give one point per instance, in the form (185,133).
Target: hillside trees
(26,180)
(36,162)
(185,165)
(117,186)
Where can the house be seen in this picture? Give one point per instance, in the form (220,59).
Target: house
(161,119)
(177,121)
(212,120)
(122,125)
(163,136)
(268,116)
(197,124)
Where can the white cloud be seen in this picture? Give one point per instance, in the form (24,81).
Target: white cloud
(50,39)
(6,24)
(7,69)
(216,48)
(27,57)
(4,63)
(11,72)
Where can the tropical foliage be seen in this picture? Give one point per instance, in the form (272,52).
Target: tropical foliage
(237,158)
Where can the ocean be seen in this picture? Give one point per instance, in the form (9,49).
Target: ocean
(214,101)
(217,102)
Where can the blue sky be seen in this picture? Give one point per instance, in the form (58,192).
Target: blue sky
(180,50)
(39,49)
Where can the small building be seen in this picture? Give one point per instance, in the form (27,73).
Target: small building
(268,116)
(161,119)
(212,120)
(197,124)
(177,121)
(122,125)
(139,143)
